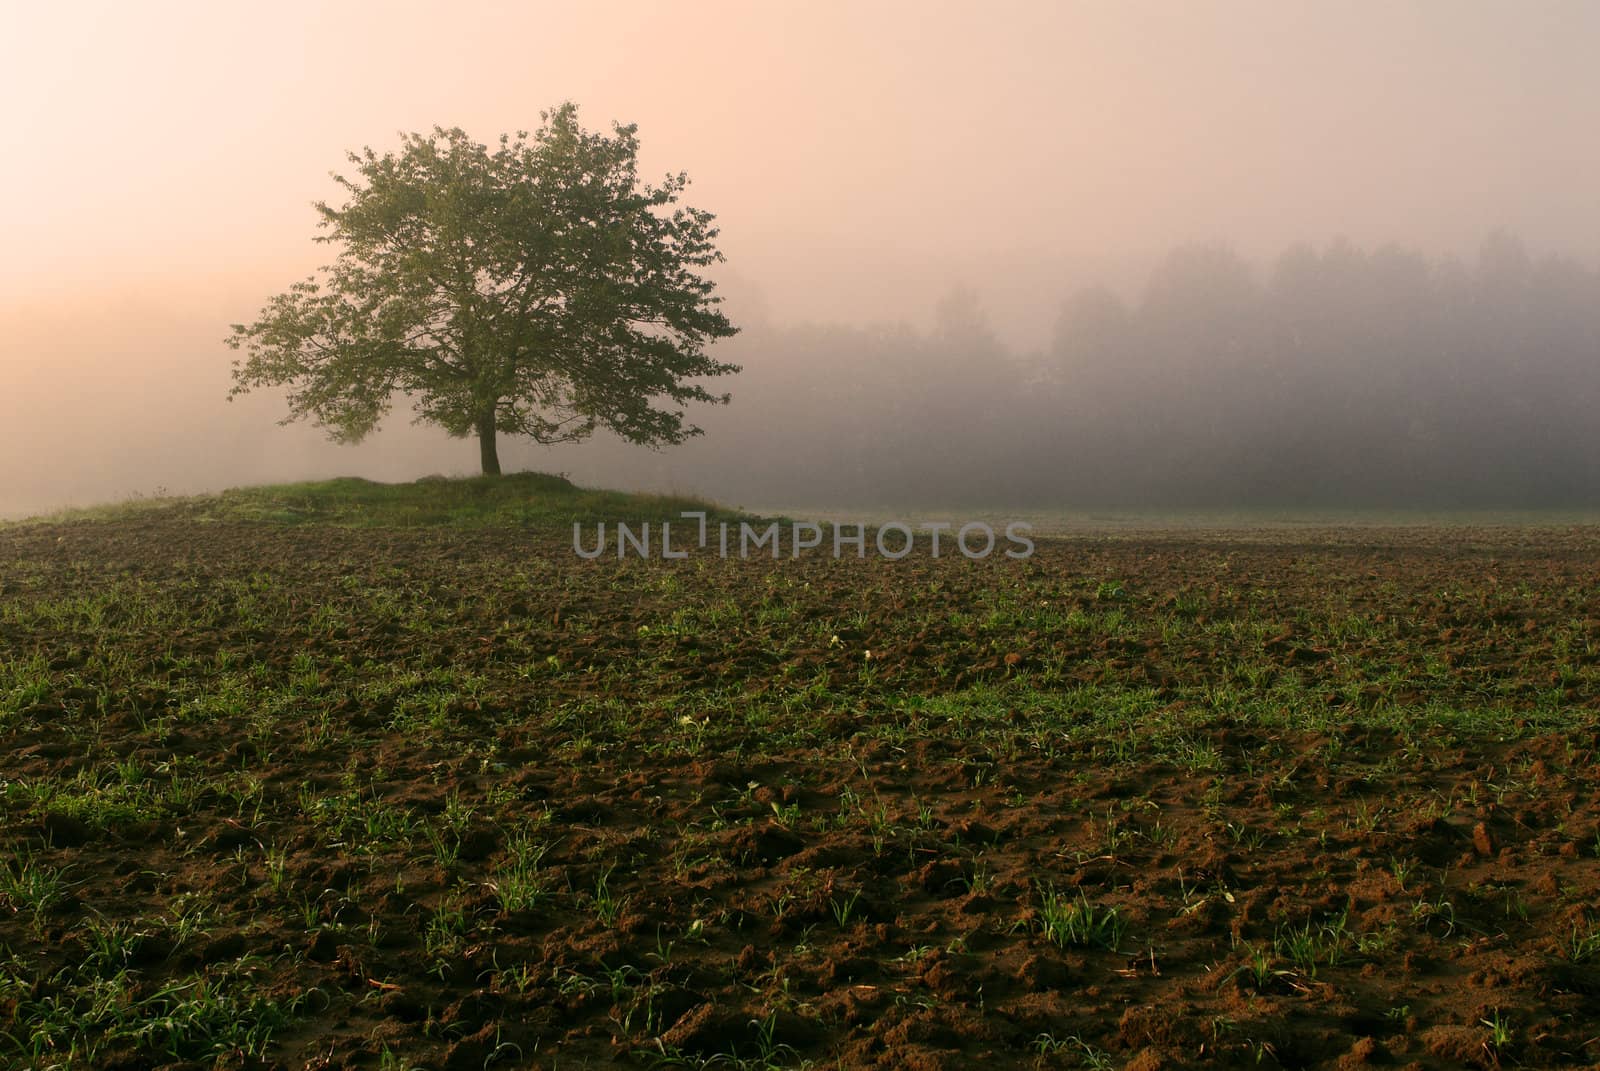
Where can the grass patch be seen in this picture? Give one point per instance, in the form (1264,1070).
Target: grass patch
(523,498)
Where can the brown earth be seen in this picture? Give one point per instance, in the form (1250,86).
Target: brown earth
(1340,794)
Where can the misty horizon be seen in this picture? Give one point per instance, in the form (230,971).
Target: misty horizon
(808,424)
(845,534)
(875,172)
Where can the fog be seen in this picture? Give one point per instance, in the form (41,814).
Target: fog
(1046,254)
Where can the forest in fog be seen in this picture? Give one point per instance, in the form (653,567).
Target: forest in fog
(1333,376)
(1052,266)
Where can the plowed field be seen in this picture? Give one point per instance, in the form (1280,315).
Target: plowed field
(308,797)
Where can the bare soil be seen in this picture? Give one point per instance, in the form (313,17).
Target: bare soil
(459,799)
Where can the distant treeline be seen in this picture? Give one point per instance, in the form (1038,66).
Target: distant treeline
(1335,376)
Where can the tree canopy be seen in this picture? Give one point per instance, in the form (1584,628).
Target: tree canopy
(537,289)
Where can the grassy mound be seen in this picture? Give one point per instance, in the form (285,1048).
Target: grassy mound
(523,498)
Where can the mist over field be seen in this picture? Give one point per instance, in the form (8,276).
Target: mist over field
(1334,376)
(1050,256)
(1271,744)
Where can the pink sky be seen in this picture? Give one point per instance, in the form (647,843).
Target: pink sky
(862,158)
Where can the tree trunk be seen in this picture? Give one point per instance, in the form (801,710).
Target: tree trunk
(488,451)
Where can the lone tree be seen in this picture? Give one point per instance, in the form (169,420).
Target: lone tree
(536,290)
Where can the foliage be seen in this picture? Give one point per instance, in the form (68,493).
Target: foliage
(538,289)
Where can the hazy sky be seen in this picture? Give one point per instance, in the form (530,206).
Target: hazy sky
(862,158)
